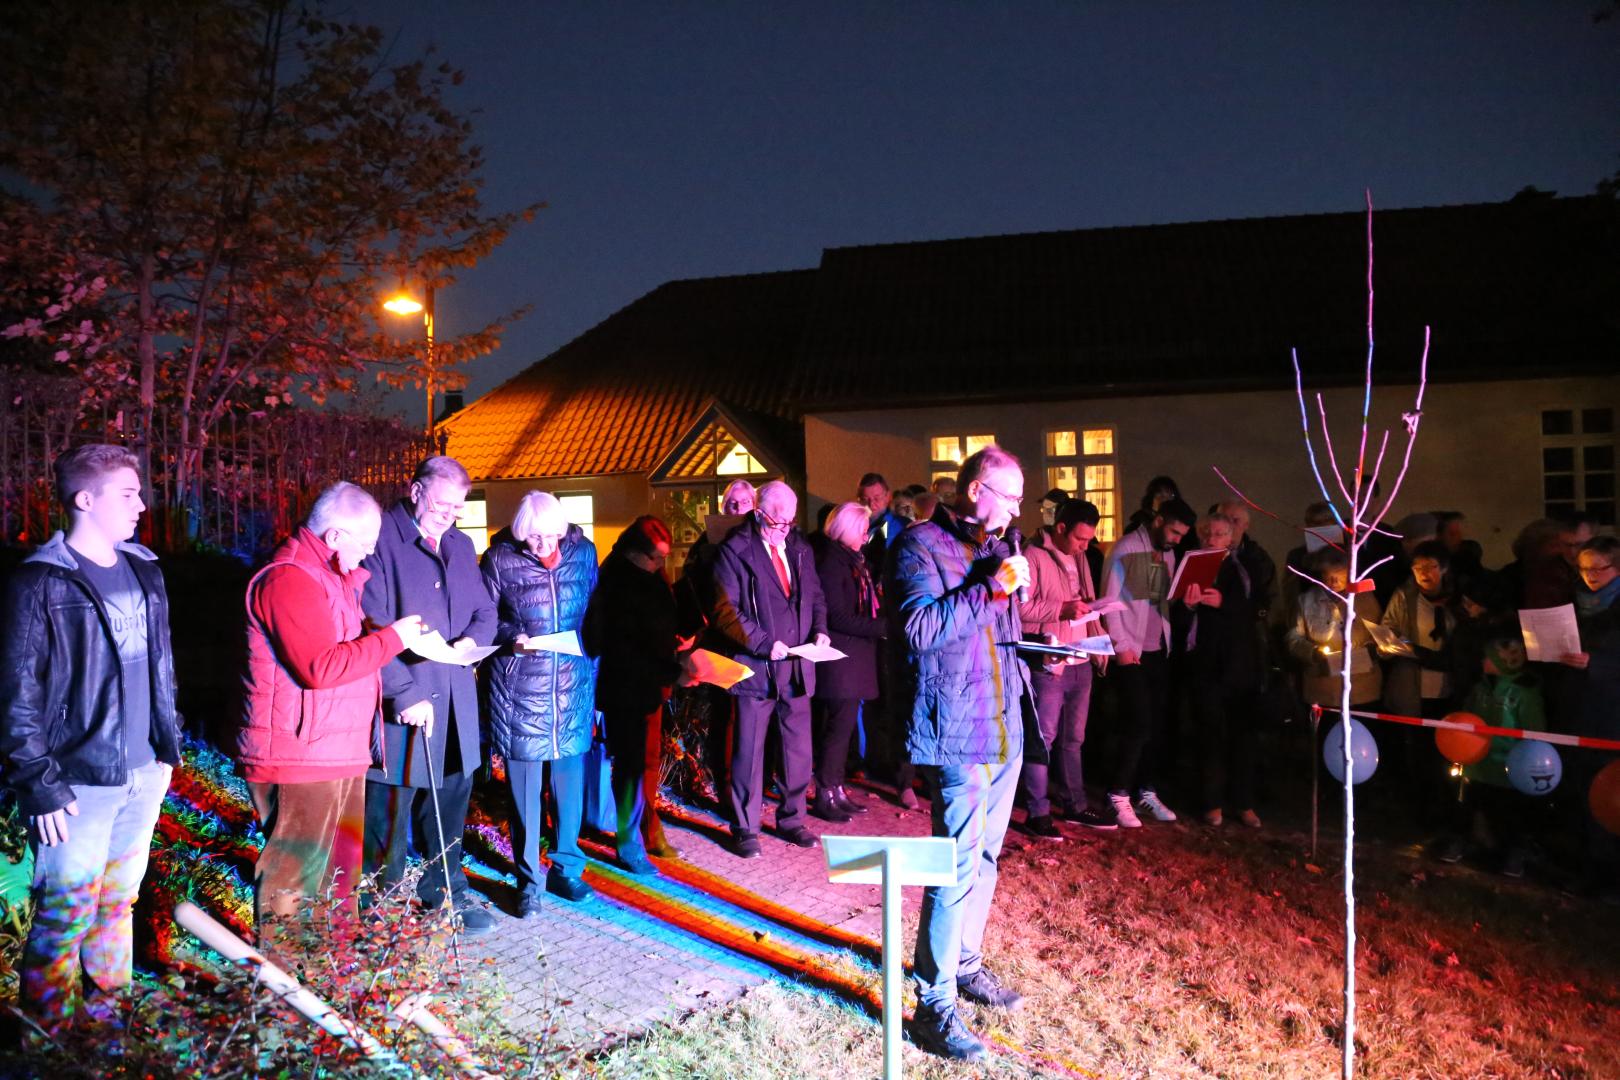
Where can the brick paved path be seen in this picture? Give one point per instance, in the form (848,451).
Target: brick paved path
(710,927)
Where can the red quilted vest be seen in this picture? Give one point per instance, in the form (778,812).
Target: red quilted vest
(290,734)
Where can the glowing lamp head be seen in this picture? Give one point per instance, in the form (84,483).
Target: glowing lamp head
(402,304)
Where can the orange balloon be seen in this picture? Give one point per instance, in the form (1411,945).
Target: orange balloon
(1604,797)
(1462,747)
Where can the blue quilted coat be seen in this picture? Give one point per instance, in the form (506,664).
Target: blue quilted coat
(960,668)
(541,705)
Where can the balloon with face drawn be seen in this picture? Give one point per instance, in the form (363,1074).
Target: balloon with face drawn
(1534,767)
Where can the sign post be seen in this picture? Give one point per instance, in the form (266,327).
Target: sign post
(890,861)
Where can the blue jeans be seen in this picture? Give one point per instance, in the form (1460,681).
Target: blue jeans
(1062,702)
(972,804)
(85,889)
(568,804)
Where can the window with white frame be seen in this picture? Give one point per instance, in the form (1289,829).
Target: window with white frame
(579,508)
(947,452)
(1082,462)
(474,519)
(1577,462)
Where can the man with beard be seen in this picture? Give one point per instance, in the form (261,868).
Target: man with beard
(1138,573)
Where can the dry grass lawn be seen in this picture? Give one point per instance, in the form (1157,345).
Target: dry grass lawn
(1178,951)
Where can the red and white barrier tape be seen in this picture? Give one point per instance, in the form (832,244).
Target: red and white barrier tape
(1484,729)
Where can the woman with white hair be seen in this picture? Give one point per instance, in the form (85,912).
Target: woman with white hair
(542,697)
(854,624)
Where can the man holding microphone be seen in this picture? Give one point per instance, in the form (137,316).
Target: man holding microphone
(953,585)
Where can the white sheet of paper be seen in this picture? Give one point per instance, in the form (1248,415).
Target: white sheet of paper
(816,654)
(432,646)
(1101,645)
(1550,634)
(1107,607)
(716,670)
(1387,640)
(565,642)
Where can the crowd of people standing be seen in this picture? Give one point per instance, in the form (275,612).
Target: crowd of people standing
(388,663)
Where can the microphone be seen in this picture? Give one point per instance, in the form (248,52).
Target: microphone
(1015,539)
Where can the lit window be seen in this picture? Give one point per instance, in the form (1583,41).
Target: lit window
(738,462)
(1065,477)
(938,476)
(474,520)
(948,450)
(1577,462)
(1072,465)
(580,509)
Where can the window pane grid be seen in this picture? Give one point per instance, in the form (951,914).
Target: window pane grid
(1577,462)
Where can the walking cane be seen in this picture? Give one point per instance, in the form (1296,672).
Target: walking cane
(444,852)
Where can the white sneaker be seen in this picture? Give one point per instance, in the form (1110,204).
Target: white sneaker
(1149,801)
(1123,813)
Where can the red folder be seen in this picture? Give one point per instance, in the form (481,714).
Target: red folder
(1198,568)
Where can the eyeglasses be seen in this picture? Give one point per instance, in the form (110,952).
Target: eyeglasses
(1597,569)
(1002,495)
(771,522)
(433,506)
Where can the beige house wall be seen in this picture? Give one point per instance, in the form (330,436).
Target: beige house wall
(1478,450)
(616,501)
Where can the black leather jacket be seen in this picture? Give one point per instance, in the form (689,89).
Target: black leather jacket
(61,692)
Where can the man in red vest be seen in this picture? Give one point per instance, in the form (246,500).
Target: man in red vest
(313,698)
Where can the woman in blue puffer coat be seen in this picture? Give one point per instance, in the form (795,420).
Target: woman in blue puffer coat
(542,689)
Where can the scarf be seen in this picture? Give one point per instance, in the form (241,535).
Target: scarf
(1588,603)
(866,598)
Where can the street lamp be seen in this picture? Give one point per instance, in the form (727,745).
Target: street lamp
(403,303)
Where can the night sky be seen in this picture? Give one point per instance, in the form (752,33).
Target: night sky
(694,139)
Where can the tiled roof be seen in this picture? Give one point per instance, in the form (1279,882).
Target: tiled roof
(1214,304)
(1525,287)
(617,398)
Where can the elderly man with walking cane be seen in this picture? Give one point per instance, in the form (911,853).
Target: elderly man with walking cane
(425,566)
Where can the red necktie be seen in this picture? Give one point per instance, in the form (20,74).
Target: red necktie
(781,570)
(433,545)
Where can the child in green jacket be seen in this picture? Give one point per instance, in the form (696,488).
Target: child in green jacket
(1508,696)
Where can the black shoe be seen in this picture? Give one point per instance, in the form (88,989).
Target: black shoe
(529,904)
(826,807)
(985,989)
(476,920)
(1093,818)
(1044,827)
(847,804)
(799,836)
(943,1033)
(572,889)
(639,865)
(744,844)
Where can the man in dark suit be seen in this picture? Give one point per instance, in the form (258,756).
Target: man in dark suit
(425,566)
(768,600)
